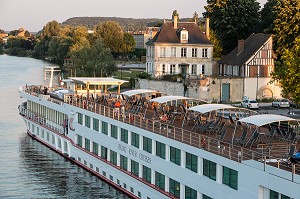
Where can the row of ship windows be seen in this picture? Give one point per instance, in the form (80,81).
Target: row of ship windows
(174,186)
(230,176)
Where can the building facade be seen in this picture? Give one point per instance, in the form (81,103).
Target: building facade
(179,48)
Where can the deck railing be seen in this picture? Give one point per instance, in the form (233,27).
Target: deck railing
(219,147)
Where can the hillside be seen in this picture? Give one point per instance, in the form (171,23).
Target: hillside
(127,23)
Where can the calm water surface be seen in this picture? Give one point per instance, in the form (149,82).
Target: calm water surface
(27,168)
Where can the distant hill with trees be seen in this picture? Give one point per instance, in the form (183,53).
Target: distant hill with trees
(127,24)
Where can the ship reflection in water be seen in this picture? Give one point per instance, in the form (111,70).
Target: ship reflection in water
(62,178)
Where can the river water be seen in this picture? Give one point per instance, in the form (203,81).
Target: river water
(28,169)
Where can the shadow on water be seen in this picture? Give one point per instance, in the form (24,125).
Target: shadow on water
(61,176)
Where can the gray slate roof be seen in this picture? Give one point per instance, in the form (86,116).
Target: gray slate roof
(168,34)
(252,44)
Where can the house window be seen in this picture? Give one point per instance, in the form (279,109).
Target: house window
(230,177)
(172,69)
(209,169)
(163,52)
(173,52)
(204,52)
(183,52)
(194,52)
(203,70)
(163,68)
(184,37)
(194,69)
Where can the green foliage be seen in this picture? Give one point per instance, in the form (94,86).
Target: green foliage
(144,75)
(111,34)
(232,20)
(128,43)
(287,44)
(140,52)
(51,29)
(95,60)
(268,15)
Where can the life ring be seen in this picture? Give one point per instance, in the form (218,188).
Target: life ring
(71,124)
(203,142)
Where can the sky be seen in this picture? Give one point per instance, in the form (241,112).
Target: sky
(32,15)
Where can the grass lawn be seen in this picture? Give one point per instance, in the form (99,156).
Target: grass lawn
(126,75)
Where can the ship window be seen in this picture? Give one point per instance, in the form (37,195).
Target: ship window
(95,148)
(79,159)
(80,118)
(118,181)
(104,152)
(175,155)
(135,139)
(32,128)
(274,195)
(37,131)
(131,189)
(174,188)
(111,177)
(88,121)
(147,174)
(160,150)
(139,194)
(48,136)
(59,142)
(134,168)
(84,162)
(160,180)
(43,134)
(124,135)
(206,197)
(95,124)
(114,131)
(79,140)
(190,193)
(191,162)
(65,146)
(87,144)
(284,197)
(91,166)
(230,177)
(104,173)
(147,144)
(97,169)
(104,128)
(123,162)
(113,157)
(209,169)
(53,140)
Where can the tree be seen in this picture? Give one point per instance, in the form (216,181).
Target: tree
(128,43)
(232,20)
(50,30)
(268,15)
(111,34)
(96,60)
(286,42)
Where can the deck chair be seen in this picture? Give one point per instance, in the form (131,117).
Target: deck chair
(222,134)
(242,140)
(292,138)
(253,138)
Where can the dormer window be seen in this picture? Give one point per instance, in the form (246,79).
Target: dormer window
(184,36)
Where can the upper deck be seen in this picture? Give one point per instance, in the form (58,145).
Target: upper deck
(219,131)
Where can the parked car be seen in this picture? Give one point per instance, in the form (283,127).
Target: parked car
(280,103)
(249,104)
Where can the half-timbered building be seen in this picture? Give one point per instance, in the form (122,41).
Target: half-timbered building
(246,71)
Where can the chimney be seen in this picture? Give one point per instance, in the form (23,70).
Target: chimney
(207,27)
(175,18)
(241,46)
(196,18)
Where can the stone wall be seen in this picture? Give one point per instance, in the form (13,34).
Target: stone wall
(171,88)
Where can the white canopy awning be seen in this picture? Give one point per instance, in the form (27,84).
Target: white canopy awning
(169,98)
(98,80)
(204,108)
(138,92)
(260,120)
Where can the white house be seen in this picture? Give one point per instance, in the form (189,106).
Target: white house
(179,47)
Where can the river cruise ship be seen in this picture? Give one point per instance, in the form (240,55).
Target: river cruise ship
(152,145)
